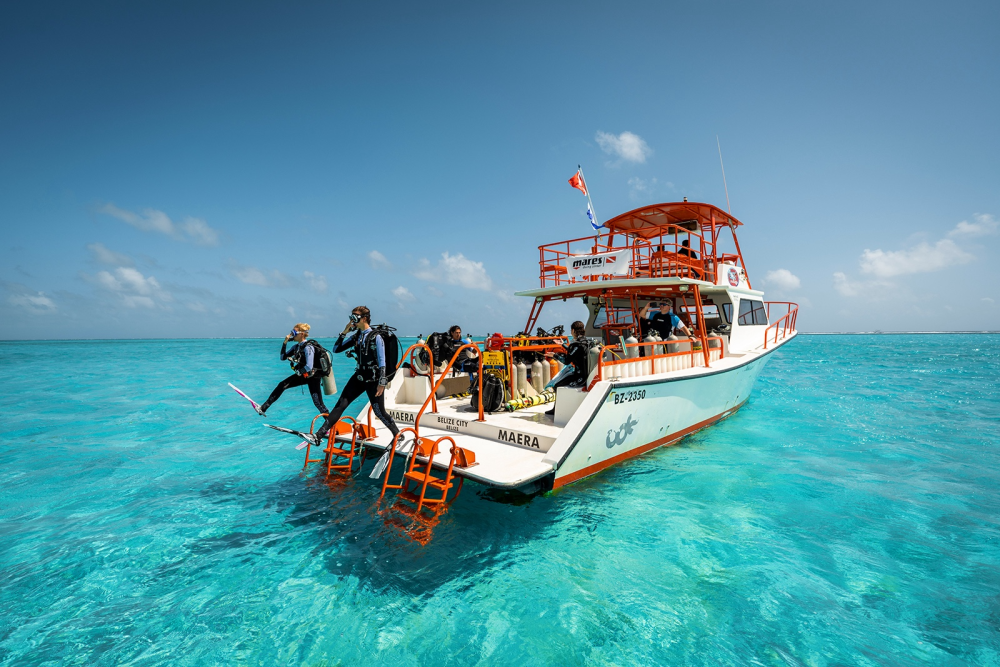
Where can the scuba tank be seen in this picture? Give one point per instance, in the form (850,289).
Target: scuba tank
(673,363)
(329,382)
(522,378)
(631,352)
(537,381)
(554,368)
(593,354)
(673,347)
(546,371)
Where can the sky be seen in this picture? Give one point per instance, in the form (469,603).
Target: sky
(192,169)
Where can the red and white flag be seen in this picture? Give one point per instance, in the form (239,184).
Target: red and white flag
(577,182)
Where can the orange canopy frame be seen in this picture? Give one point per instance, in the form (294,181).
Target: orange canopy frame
(651,221)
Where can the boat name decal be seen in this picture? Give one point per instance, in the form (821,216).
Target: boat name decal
(404,417)
(522,439)
(627,396)
(623,432)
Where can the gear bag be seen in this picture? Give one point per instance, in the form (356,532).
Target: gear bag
(493,393)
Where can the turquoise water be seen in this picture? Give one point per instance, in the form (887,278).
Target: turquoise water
(847,515)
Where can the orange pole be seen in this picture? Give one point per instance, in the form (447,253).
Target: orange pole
(701,325)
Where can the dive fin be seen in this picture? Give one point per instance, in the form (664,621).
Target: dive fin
(254,403)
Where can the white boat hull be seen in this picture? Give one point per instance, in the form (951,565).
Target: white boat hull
(626,418)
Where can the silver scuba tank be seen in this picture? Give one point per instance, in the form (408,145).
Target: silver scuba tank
(329,382)
(537,381)
(546,372)
(631,352)
(522,377)
(673,347)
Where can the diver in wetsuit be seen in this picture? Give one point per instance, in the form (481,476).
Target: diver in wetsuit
(369,378)
(306,368)
(574,355)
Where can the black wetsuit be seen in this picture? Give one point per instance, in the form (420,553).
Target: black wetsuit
(576,354)
(369,376)
(305,374)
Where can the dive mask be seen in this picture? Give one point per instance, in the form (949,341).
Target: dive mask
(355,318)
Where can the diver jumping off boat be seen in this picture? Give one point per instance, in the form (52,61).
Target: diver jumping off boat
(374,369)
(310,364)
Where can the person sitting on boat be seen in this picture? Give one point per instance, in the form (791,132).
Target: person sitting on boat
(574,355)
(664,321)
(467,363)
(304,356)
(685,250)
(369,378)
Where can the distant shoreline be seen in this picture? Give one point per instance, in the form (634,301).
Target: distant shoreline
(801,333)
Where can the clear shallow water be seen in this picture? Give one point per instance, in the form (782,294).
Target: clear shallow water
(847,515)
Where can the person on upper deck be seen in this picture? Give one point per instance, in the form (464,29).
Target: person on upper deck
(685,249)
(664,321)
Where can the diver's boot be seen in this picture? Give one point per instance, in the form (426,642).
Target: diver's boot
(261,409)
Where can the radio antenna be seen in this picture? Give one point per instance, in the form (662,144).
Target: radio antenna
(723,174)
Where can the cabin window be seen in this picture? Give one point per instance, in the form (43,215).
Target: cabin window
(727,310)
(752,312)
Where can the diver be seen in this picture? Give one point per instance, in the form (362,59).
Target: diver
(574,356)
(309,366)
(370,376)
(469,361)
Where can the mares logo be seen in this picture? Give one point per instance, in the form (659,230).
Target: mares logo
(734,277)
(592,262)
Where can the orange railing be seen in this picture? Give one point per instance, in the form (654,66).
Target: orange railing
(515,345)
(665,362)
(784,325)
(410,352)
(657,257)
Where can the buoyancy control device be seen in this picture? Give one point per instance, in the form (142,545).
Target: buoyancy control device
(367,353)
(493,393)
(321,358)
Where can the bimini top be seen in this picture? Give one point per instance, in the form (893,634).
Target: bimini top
(656,219)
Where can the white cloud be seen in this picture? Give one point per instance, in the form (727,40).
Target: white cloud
(134,289)
(199,231)
(921,258)
(627,146)
(290,311)
(455,270)
(844,286)
(36,303)
(639,187)
(110,257)
(378,261)
(403,294)
(195,230)
(317,283)
(251,275)
(983,225)
(782,279)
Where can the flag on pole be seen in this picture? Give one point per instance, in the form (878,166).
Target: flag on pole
(578,183)
(593,221)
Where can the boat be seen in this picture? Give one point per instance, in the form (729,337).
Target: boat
(639,395)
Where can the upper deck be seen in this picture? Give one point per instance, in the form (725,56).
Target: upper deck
(672,240)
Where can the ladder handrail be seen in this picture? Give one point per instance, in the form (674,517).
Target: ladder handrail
(434,388)
(402,359)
